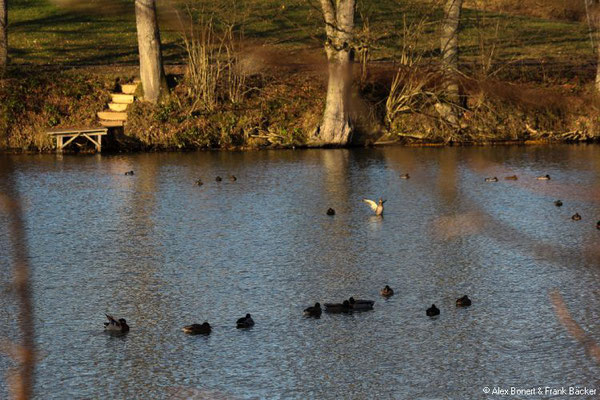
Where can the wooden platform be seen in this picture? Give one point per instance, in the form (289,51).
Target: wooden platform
(72,134)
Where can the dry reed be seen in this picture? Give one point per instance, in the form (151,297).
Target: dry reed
(407,92)
(214,71)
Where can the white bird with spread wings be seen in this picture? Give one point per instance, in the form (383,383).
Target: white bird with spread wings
(377,207)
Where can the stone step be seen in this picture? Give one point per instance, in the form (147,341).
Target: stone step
(119,107)
(129,88)
(112,116)
(112,124)
(122,98)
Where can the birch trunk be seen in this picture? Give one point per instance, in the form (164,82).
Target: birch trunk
(152,73)
(336,127)
(3,36)
(591,10)
(449,48)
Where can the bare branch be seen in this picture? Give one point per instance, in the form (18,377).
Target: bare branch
(22,385)
(573,327)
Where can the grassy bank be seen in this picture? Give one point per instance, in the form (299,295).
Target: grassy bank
(527,75)
(276,111)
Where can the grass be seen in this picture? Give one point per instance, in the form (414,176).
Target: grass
(44,33)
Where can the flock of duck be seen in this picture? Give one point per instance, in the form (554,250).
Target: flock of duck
(351,305)
(557,203)
(120,325)
(232,178)
(347,306)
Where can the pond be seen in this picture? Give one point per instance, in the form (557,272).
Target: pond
(163,252)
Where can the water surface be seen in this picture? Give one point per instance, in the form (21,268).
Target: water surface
(163,252)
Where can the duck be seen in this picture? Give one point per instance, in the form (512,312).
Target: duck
(198,329)
(360,304)
(387,291)
(543,178)
(129,173)
(464,301)
(245,322)
(511,178)
(314,311)
(494,179)
(377,207)
(576,217)
(337,308)
(218,179)
(116,326)
(432,311)
(232,178)
(199,182)
(405,176)
(558,203)
(330,211)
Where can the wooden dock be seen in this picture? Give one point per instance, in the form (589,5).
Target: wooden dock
(72,134)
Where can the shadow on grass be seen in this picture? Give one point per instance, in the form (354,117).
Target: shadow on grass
(60,19)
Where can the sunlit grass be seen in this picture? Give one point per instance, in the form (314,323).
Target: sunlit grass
(41,32)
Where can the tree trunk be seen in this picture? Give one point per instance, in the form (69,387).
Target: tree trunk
(152,72)
(449,48)
(3,36)
(336,128)
(597,66)
(593,18)
(588,4)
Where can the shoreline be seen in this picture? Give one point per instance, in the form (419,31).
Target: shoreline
(506,143)
(281,110)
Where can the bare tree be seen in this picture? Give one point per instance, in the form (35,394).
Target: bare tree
(152,72)
(3,36)
(336,128)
